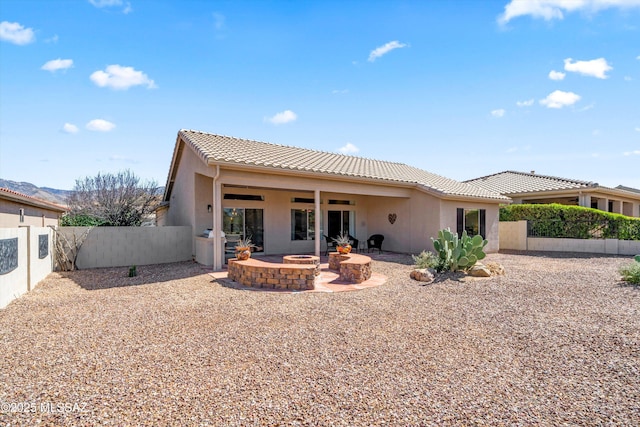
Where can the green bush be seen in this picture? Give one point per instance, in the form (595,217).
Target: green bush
(631,273)
(555,220)
(426,259)
(81,220)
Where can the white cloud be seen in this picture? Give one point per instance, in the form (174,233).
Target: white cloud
(637,129)
(100,125)
(634,152)
(556,75)
(348,148)
(638,57)
(53,39)
(559,99)
(16,33)
(515,149)
(57,64)
(555,9)
(384,49)
(126,6)
(498,113)
(119,77)
(594,68)
(286,116)
(628,78)
(69,128)
(527,103)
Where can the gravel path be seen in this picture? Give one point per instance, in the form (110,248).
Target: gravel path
(556,340)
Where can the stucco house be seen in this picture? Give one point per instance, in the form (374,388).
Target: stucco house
(524,187)
(289,198)
(17,209)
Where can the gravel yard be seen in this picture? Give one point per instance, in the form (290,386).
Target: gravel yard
(555,340)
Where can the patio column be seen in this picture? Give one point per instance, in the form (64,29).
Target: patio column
(603,204)
(584,200)
(316,198)
(216,212)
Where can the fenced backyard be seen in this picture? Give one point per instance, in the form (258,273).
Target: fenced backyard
(599,237)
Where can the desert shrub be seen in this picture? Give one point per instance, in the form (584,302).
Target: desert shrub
(631,273)
(426,259)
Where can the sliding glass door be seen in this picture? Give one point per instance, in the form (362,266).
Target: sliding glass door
(242,223)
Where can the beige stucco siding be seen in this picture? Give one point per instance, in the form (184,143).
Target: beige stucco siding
(448,219)
(39,217)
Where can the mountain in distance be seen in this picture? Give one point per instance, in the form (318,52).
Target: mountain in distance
(43,193)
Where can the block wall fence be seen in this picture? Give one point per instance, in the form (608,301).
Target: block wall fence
(513,236)
(26,257)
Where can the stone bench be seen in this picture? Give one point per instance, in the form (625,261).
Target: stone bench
(353,267)
(270,275)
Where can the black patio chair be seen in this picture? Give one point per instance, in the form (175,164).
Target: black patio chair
(354,243)
(330,244)
(375,242)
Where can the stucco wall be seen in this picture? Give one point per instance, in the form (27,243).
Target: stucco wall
(40,267)
(513,235)
(10,215)
(31,268)
(448,220)
(14,283)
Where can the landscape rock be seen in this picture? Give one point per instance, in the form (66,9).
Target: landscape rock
(495,268)
(479,270)
(422,275)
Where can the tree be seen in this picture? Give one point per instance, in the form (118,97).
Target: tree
(112,200)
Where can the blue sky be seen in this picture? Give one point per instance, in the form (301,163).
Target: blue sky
(459,88)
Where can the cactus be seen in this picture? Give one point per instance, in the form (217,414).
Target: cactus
(458,253)
(637,258)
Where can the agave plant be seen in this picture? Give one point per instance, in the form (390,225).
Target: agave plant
(245,243)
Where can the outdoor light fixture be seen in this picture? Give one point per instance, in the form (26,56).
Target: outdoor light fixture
(209,209)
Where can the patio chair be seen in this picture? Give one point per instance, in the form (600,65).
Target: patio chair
(330,244)
(354,243)
(375,242)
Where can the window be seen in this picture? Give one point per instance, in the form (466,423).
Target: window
(303,224)
(21,215)
(302,200)
(473,221)
(253,197)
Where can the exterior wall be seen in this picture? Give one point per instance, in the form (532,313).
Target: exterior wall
(15,283)
(182,204)
(448,220)
(126,246)
(419,215)
(513,235)
(38,217)
(31,268)
(39,267)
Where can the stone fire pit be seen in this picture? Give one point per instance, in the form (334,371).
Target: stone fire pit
(303,259)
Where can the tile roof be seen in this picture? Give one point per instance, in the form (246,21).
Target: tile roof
(218,148)
(30,200)
(511,182)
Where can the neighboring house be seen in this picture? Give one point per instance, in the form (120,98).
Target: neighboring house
(287,198)
(525,187)
(17,209)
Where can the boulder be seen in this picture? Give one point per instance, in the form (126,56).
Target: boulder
(479,270)
(495,268)
(422,275)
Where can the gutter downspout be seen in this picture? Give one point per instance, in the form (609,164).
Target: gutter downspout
(317,222)
(215,212)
